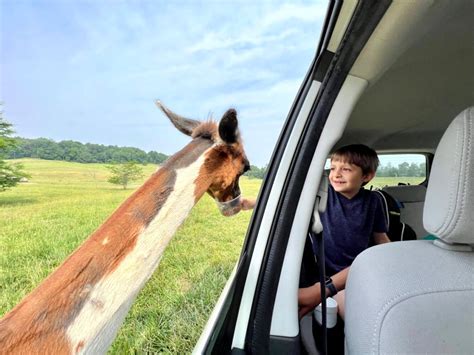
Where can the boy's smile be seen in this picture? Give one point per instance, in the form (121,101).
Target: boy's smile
(346,178)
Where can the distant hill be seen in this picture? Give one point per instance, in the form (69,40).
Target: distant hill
(43,148)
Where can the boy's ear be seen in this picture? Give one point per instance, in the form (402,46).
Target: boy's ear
(367,177)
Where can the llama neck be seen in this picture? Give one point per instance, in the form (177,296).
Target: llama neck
(81,306)
(111,298)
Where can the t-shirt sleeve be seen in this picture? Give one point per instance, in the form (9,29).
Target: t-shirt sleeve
(380,220)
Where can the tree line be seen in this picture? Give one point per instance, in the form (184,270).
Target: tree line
(404,169)
(44,148)
(255,172)
(68,150)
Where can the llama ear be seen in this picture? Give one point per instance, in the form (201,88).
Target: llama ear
(185,125)
(228,127)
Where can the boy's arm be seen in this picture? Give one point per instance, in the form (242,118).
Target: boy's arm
(310,297)
(247,204)
(380,238)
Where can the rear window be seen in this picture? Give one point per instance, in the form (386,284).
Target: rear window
(398,169)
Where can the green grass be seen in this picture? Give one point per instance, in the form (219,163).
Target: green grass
(44,220)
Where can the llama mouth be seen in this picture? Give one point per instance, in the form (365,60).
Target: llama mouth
(230,208)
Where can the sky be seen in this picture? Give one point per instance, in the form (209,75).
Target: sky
(90,71)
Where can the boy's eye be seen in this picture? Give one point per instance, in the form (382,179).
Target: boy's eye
(346,169)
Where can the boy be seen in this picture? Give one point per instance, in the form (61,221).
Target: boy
(354,218)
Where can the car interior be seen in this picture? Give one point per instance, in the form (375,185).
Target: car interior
(398,77)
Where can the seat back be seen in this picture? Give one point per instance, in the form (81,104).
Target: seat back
(417,296)
(412,200)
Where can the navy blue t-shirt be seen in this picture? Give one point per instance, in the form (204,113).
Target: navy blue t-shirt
(348,227)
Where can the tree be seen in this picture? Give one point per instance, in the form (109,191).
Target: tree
(403,169)
(255,172)
(156,158)
(123,174)
(10,173)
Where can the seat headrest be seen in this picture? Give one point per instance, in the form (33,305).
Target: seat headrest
(449,204)
(407,193)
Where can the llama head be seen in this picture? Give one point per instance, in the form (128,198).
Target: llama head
(225,159)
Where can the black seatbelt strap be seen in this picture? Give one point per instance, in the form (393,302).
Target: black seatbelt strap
(319,240)
(316,236)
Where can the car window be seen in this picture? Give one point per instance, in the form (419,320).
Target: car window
(398,169)
(101,75)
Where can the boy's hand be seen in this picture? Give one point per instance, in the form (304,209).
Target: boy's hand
(247,204)
(308,299)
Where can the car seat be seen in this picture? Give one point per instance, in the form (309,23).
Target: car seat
(417,296)
(412,200)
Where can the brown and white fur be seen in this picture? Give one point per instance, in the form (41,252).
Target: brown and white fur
(81,305)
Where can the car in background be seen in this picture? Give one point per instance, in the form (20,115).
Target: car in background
(389,74)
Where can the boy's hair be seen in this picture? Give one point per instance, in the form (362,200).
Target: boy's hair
(358,154)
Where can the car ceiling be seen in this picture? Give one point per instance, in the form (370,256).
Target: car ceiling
(419,65)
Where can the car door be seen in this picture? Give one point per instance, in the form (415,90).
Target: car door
(258,311)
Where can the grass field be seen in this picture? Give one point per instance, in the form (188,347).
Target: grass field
(44,220)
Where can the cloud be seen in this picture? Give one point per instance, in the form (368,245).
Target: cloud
(97,66)
(215,41)
(261,32)
(295,12)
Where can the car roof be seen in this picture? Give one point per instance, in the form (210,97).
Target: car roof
(419,68)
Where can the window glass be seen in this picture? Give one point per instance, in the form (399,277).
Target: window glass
(400,169)
(397,169)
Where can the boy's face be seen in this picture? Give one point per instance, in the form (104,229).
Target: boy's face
(347,179)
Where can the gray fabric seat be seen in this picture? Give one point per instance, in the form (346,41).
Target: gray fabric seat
(412,198)
(418,296)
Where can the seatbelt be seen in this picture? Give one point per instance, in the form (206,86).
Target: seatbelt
(316,235)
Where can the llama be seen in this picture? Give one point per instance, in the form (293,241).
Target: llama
(81,305)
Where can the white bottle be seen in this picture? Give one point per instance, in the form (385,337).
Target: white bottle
(331,313)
